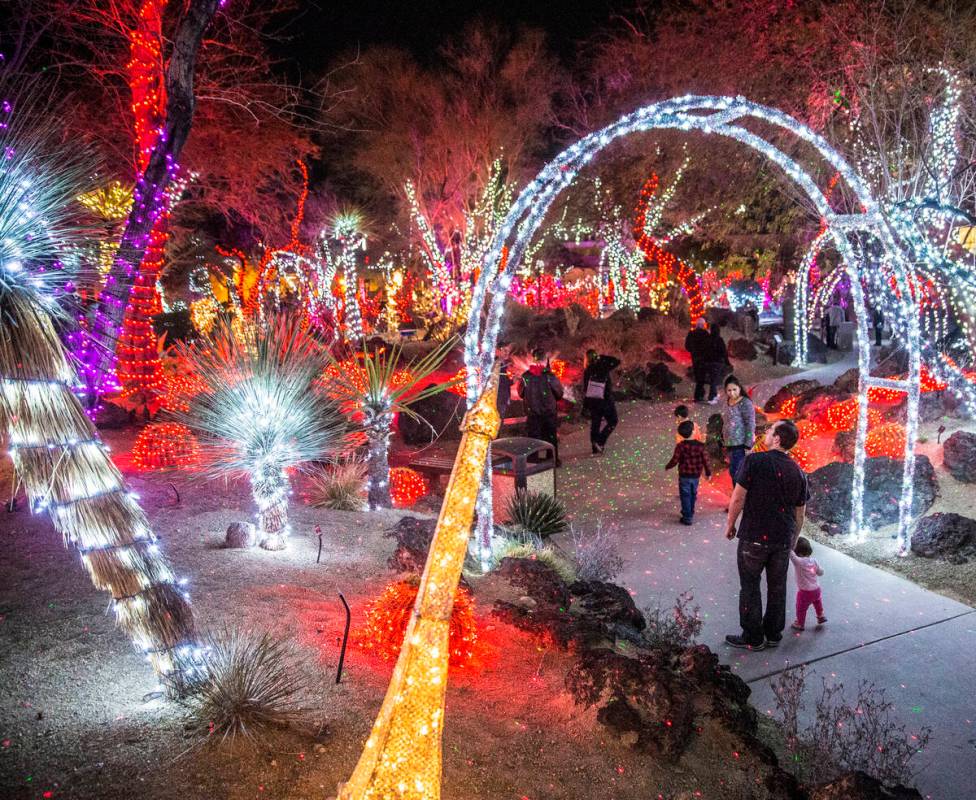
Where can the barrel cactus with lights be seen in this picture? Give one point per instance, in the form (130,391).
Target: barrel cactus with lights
(260,413)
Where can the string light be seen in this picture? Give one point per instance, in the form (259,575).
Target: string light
(407,486)
(165,445)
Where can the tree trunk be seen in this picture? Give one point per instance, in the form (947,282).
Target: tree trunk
(270,491)
(149,195)
(65,469)
(378,462)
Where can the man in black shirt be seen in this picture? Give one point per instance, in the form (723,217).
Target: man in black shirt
(771,494)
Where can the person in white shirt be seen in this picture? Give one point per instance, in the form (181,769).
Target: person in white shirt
(807,586)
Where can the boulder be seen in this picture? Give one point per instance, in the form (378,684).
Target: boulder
(537,579)
(892,365)
(847,380)
(723,317)
(413,537)
(786,353)
(792,389)
(742,350)
(648,383)
(658,353)
(931,408)
(814,402)
(111,417)
(830,491)
(844,442)
(610,604)
(959,456)
(241,535)
(951,537)
(443,412)
(661,378)
(860,786)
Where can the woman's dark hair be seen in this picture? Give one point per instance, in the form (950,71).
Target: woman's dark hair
(737,382)
(787,433)
(681,411)
(803,548)
(686,429)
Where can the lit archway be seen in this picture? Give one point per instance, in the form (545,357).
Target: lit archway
(723,116)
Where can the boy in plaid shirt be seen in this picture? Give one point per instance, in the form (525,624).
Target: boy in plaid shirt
(690,459)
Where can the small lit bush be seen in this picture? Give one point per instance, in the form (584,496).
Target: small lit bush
(341,487)
(537,513)
(675,629)
(252,688)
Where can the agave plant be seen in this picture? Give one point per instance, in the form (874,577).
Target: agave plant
(378,391)
(259,413)
(536,513)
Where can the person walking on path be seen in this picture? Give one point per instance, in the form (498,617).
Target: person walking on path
(835,316)
(690,459)
(771,495)
(698,347)
(807,586)
(739,431)
(598,398)
(541,391)
(718,361)
(681,414)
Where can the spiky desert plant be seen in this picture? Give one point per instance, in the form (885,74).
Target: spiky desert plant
(381,390)
(55,448)
(252,687)
(537,513)
(341,487)
(259,413)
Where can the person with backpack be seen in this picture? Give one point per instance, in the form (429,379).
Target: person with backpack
(698,347)
(541,390)
(598,398)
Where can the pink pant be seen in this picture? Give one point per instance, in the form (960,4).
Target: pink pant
(804,599)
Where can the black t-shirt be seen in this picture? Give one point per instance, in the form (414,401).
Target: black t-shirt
(775,487)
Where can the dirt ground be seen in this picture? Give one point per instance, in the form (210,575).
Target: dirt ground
(78,718)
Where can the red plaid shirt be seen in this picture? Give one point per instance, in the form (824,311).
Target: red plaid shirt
(689,456)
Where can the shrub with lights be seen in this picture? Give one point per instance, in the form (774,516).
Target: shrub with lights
(387,617)
(407,486)
(165,445)
(258,413)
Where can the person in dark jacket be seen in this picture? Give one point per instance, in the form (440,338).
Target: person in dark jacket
(718,362)
(598,398)
(697,345)
(504,397)
(877,321)
(541,391)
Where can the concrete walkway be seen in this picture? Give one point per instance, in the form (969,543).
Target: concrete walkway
(919,645)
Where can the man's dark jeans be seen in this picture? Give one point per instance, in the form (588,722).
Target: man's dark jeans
(702,372)
(753,559)
(607,411)
(688,492)
(544,427)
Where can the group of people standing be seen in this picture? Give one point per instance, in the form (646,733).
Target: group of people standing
(709,359)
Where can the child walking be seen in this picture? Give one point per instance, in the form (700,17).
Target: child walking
(690,459)
(681,415)
(808,587)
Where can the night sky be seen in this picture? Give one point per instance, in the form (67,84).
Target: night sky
(326,30)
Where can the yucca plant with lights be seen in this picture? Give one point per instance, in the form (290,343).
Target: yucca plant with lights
(259,412)
(536,513)
(375,393)
(55,448)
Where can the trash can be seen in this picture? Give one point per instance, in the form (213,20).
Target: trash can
(520,463)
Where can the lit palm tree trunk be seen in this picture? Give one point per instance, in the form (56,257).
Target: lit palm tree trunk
(378,425)
(402,757)
(59,456)
(270,489)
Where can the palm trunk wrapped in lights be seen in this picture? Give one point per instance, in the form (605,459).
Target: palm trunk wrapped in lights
(402,757)
(375,393)
(270,489)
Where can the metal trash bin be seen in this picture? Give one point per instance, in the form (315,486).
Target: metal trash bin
(512,470)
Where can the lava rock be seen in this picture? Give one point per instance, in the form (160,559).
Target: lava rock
(742,350)
(860,786)
(844,445)
(847,380)
(959,456)
(815,402)
(931,408)
(650,382)
(661,378)
(611,605)
(413,537)
(443,412)
(951,537)
(112,417)
(539,581)
(830,491)
(658,353)
(241,535)
(786,353)
(792,389)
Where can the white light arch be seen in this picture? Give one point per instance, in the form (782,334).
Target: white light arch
(718,115)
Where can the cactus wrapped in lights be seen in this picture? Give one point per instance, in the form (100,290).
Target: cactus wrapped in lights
(259,414)
(55,449)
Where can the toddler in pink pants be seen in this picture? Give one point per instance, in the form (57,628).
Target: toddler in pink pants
(808,588)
